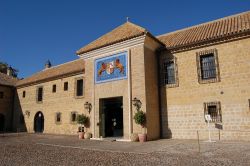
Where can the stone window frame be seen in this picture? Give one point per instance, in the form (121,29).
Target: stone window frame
(37,89)
(198,61)
(163,82)
(71,113)
(56,118)
(1,95)
(75,89)
(217,104)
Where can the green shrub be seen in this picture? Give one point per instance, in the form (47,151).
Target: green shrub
(82,119)
(140,118)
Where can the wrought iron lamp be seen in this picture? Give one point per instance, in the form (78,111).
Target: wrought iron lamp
(88,106)
(137,103)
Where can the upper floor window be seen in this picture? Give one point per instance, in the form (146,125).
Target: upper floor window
(214,110)
(208,67)
(66,86)
(79,87)
(54,88)
(24,94)
(1,95)
(207,64)
(169,72)
(40,94)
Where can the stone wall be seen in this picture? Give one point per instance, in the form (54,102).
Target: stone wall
(182,106)
(6,105)
(61,101)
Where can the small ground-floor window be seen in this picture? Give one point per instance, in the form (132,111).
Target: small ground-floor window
(58,117)
(73,117)
(214,110)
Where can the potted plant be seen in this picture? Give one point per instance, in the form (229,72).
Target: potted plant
(82,120)
(140,118)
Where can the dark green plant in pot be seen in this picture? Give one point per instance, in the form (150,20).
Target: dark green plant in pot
(82,120)
(140,118)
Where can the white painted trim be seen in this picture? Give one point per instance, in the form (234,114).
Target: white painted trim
(123,140)
(96,139)
(118,46)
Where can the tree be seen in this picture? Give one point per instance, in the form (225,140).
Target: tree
(4,67)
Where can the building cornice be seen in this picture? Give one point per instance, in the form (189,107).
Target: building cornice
(118,46)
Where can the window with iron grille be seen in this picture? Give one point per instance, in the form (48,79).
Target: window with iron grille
(40,94)
(54,88)
(214,110)
(169,73)
(208,67)
(58,117)
(66,86)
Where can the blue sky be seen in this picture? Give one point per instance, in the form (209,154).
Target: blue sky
(33,31)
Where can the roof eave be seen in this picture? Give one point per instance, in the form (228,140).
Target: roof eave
(212,41)
(82,52)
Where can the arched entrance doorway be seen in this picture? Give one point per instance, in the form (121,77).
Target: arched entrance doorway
(2,122)
(39,122)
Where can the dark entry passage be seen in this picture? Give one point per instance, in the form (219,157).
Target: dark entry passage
(2,122)
(111,117)
(39,122)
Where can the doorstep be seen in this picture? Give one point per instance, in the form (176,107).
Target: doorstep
(111,139)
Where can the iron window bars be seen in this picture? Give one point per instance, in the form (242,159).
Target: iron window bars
(214,110)
(208,66)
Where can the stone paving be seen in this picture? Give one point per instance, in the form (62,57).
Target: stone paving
(36,149)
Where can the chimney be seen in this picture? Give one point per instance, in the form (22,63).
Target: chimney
(9,71)
(47,64)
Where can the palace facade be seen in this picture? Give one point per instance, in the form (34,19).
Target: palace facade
(177,78)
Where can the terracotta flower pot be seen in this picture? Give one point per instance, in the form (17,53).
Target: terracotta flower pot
(142,137)
(81,135)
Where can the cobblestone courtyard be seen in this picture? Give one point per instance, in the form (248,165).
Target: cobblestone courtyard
(34,149)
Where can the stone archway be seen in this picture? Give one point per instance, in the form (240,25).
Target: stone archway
(39,122)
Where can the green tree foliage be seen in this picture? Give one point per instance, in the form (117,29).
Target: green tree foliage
(140,118)
(4,66)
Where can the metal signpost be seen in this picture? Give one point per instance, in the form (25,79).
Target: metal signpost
(209,119)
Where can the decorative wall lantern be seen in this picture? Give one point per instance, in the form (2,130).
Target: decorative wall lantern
(88,106)
(137,103)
